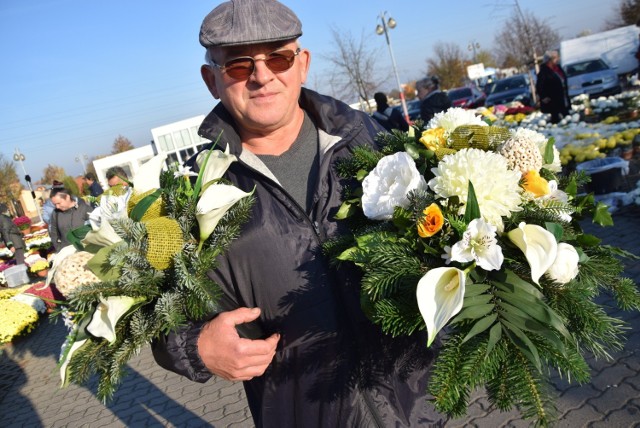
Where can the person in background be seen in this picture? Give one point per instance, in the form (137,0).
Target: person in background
(432,99)
(11,235)
(95,189)
(387,116)
(70,213)
(289,323)
(117,175)
(552,88)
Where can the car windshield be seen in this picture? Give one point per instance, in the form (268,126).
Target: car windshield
(508,84)
(456,94)
(585,67)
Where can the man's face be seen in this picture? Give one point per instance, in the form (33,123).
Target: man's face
(115,180)
(266,101)
(62,202)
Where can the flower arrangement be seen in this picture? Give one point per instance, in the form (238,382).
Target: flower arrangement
(468,231)
(18,317)
(23,222)
(141,269)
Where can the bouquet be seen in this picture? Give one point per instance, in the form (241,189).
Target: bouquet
(139,270)
(469,232)
(23,222)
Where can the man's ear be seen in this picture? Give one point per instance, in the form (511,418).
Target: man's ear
(209,78)
(305,59)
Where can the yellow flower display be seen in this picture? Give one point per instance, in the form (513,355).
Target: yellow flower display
(17,318)
(432,221)
(533,183)
(434,139)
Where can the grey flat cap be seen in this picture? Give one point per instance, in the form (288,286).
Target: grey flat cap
(247,22)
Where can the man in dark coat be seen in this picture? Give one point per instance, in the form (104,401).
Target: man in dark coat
(70,213)
(432,99)
(290,325)
(95,189)
(552,87)
(387,116)
(11,235)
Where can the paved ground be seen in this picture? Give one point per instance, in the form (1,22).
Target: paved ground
(152,397)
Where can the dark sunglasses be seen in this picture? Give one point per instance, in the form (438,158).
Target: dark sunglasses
(242,67)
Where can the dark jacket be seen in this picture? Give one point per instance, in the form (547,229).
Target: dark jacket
(553,85)
(333,367)
(390,119)
(95,189)
(10,233)
(62,222)
(433,103)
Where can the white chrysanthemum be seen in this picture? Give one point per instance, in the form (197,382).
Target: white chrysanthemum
(495,185)
(521,154)
(388,184)
(454,117)
(540,141)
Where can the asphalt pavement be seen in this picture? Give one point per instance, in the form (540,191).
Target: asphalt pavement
(153,397)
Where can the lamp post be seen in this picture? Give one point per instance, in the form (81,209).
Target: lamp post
(380,30)
(19,157)
(473,46)
(81,159)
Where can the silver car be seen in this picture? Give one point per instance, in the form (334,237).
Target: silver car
(593,77)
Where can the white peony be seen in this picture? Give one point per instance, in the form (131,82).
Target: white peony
(496,186)
(454,117)
(565,266)
(541,141)
(388,184)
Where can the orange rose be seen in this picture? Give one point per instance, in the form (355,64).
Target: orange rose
(432,221)
(433,139)
(532,182)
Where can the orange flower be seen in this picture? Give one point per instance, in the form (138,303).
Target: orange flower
(432,221)
(532,182)
(433,139)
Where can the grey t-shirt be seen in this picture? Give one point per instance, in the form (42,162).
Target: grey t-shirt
(297,168)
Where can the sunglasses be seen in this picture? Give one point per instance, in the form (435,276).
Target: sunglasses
(242,67)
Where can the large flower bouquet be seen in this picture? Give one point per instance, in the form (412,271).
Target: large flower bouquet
(468,231)
(140,270)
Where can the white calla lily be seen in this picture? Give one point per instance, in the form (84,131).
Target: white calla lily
(148,175)
(64,375)
(78,337)
(440,294)
(108,313)
(217,164)
(213,204)
(538,245)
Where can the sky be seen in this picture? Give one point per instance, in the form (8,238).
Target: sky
(76,74)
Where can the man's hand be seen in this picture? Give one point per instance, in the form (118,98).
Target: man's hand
(228,355)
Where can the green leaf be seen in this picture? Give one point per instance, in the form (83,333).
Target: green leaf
(75,236)
(520,340)
(602,216)
(348,254)
(475,289)
(413,150)
(572,187)
(346,210)
(495,334)
(100,266)
(472,209)
(481,299)
(402,218)
(587,240)
(198,185)
(548,151)
(361,174)
(141,207)
(523,321)
(474,312)
(482,325)
(556,230)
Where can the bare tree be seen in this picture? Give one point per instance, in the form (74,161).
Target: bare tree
(626,13)
(52,172)
(121,144)
(448,65)
(9,191)
(354,66)
(525,38)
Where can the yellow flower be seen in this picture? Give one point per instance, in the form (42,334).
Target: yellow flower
(533,183)
(432,221)
(433,139)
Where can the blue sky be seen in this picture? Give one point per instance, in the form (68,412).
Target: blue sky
(75,74)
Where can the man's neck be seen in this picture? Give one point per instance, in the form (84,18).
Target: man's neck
(273,142)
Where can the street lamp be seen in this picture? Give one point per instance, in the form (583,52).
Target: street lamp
(19,157)
(380,30)
(473,46)
(81,159)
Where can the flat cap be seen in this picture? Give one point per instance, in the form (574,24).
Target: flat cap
(248,22)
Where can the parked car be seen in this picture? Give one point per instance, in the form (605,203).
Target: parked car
(593,77)
(514,88)
(413,107)
(466,97)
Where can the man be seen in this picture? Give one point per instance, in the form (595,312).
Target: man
(117,175)
(11,235)
(552,88)
(432,99)
(95,189)
(387,116)
(70,213)
(289,325)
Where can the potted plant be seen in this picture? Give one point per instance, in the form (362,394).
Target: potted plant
(24,223)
